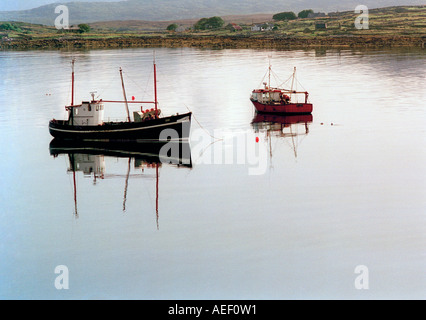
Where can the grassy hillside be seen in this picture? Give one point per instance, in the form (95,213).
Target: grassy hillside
(384,21)
(406,21)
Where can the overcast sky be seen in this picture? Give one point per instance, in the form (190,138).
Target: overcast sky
(8,5)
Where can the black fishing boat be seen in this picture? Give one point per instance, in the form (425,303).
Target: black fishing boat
(85,121)
(175,153)
(89,157)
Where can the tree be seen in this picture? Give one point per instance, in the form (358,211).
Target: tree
(201,24)
(305,13)
(215,22)
(172,27)
(84,28)
(9,26)
(209,23)
(289,15)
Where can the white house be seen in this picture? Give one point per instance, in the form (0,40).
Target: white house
(262,27)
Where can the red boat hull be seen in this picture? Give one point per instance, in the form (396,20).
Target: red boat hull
(283,119)
(291,108)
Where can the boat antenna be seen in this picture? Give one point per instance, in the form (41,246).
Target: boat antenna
(93,95)
(155,88)
(124,94)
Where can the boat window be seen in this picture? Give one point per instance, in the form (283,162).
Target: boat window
(75,111)
(97,107)
(90,108)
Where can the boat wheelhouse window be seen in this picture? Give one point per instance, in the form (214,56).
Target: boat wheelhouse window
(97,107)
(89,108)
(75,111)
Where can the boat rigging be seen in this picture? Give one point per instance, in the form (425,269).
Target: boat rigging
(85,121)
(280,100)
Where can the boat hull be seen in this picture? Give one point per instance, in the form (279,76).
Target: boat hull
(151,152)
(174,128)
(290,108)
(282,119)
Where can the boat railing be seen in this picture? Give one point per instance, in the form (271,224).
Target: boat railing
(116,120)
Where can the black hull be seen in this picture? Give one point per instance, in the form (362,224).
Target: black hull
(151,152)
(148,131)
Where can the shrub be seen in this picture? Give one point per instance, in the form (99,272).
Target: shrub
(9,26)
(172,27)
(284,16)
(209,23)
(84,28)
(305,13)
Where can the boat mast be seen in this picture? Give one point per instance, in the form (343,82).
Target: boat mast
(124,94)
(269,79)
(292,140)
(72,82)
(126,184)
(155,89)
(269,75)
(73,168)
(156,194)
(292,81)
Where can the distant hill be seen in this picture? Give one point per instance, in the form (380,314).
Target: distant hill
(156,10)
(146,25)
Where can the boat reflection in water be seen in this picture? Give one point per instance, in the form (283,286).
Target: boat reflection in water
(89,158)
(282,126)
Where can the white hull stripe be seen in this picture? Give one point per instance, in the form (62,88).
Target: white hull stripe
(186,119)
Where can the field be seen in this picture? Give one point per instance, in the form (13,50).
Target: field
(403,22)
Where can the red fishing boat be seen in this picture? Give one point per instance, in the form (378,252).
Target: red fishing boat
(279,100)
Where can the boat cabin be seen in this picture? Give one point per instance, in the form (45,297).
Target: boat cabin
(87,113)
(269,95)
(87,163)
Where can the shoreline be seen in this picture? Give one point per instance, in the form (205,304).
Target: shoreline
(218,42)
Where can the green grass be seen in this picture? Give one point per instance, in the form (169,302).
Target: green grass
(402,20)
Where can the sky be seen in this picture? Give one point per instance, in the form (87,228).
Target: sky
(10,5)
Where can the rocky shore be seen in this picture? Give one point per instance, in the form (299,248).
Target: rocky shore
(216,42)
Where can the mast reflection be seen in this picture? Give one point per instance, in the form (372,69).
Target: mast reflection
(89,158)
(281,126)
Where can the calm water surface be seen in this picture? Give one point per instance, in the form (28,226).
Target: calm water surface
(288,217)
